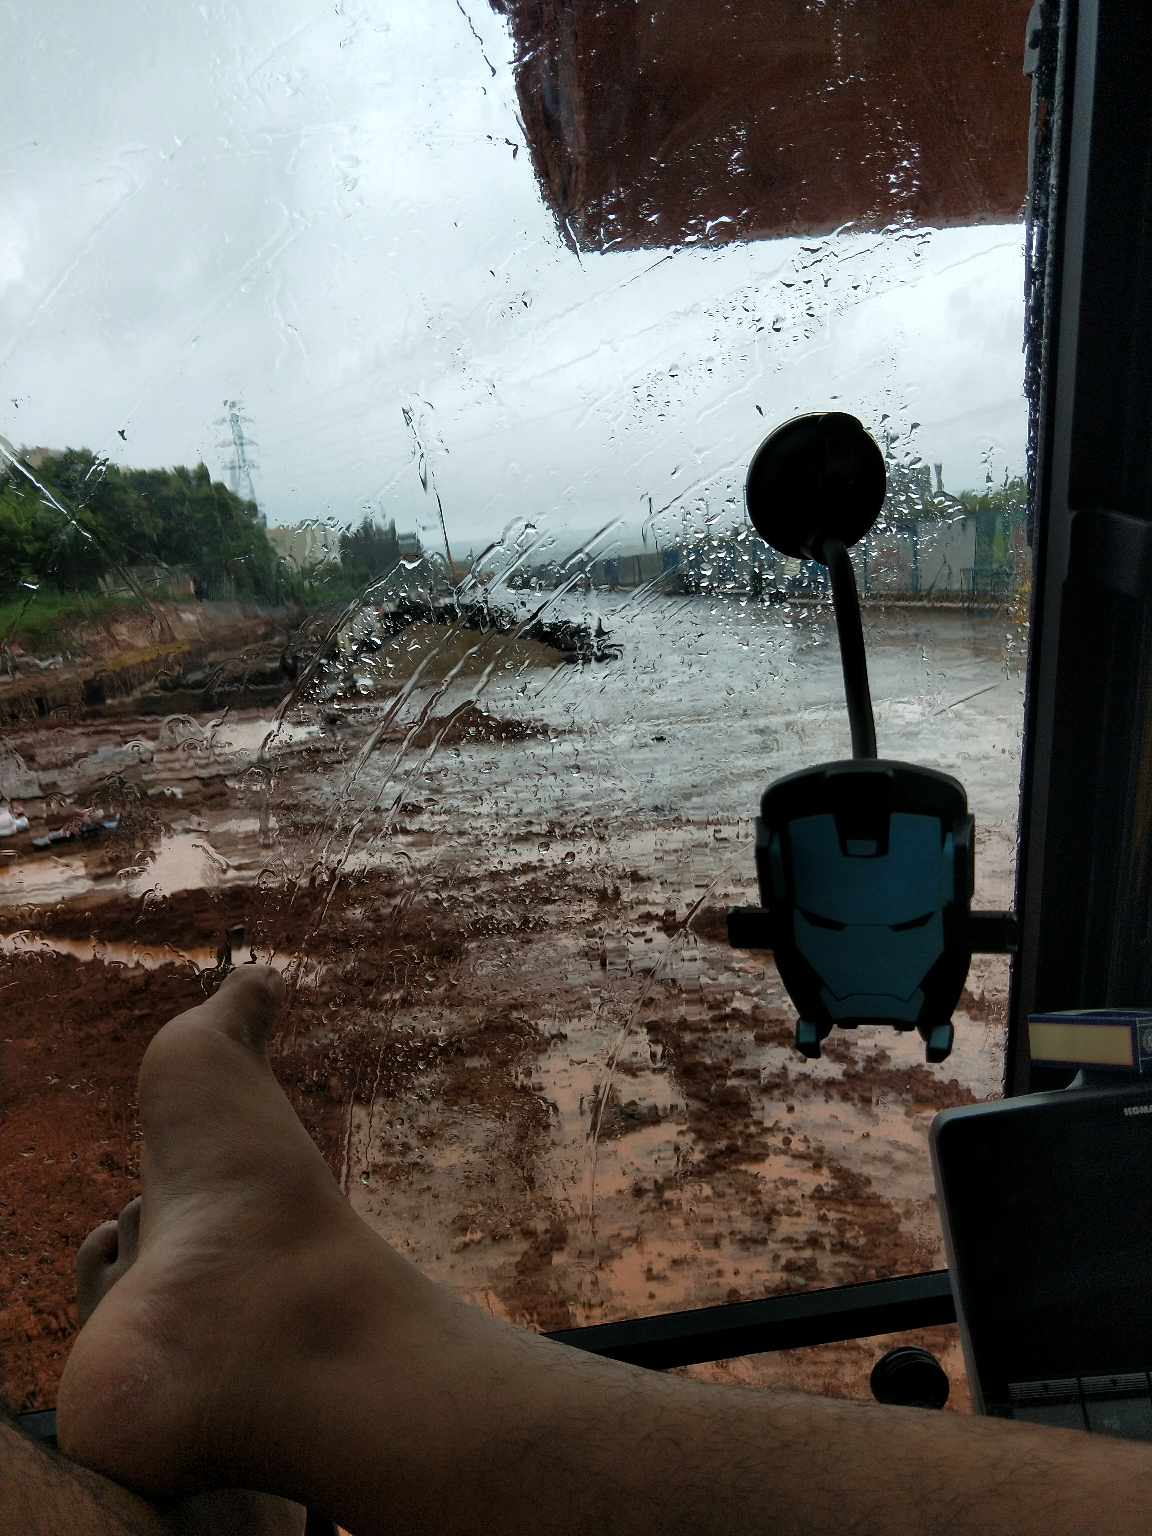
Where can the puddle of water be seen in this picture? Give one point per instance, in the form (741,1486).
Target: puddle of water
(149,957)
(186,861)
(44,881)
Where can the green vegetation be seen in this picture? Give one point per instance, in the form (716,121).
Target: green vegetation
(164,526)
(911,494)
(1010,499)
(161,519)
(41,612)
(369,551)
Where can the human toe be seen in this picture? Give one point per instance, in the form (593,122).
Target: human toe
(95,1256)
(106,1254)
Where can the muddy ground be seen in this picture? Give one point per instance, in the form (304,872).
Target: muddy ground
(515,1029)
(724,1170)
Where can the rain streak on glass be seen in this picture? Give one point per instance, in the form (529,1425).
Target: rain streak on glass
(377,580)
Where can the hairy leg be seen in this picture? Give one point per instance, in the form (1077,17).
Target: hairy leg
(266,1338)
(43,1493)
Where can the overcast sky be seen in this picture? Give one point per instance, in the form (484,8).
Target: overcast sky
(327,211)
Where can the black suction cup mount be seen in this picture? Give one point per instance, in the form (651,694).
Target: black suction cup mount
(815,477)
(910,1376)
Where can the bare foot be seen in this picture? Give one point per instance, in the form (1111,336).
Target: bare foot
(105,1257)
(265,1338)
(241,1250)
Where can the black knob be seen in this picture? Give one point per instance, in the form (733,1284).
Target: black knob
(816,475)
(910,1376)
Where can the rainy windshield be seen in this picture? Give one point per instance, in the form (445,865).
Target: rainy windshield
(379,600)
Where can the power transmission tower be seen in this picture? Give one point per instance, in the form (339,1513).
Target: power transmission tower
(239,447)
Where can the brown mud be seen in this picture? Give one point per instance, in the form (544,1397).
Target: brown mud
(70,1140)
(533,1063)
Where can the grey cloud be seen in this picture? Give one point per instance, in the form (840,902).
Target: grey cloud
(316,209)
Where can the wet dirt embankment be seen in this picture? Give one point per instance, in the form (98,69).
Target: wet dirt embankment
(128,660)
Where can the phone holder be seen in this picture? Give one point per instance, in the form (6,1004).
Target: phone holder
(865,867)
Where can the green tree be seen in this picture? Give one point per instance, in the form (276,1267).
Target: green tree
(1010,499)
(18,536)
(207,529)
(43,545)
(132,517)
(369,551)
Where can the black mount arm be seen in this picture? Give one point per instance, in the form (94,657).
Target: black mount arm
(832,553)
